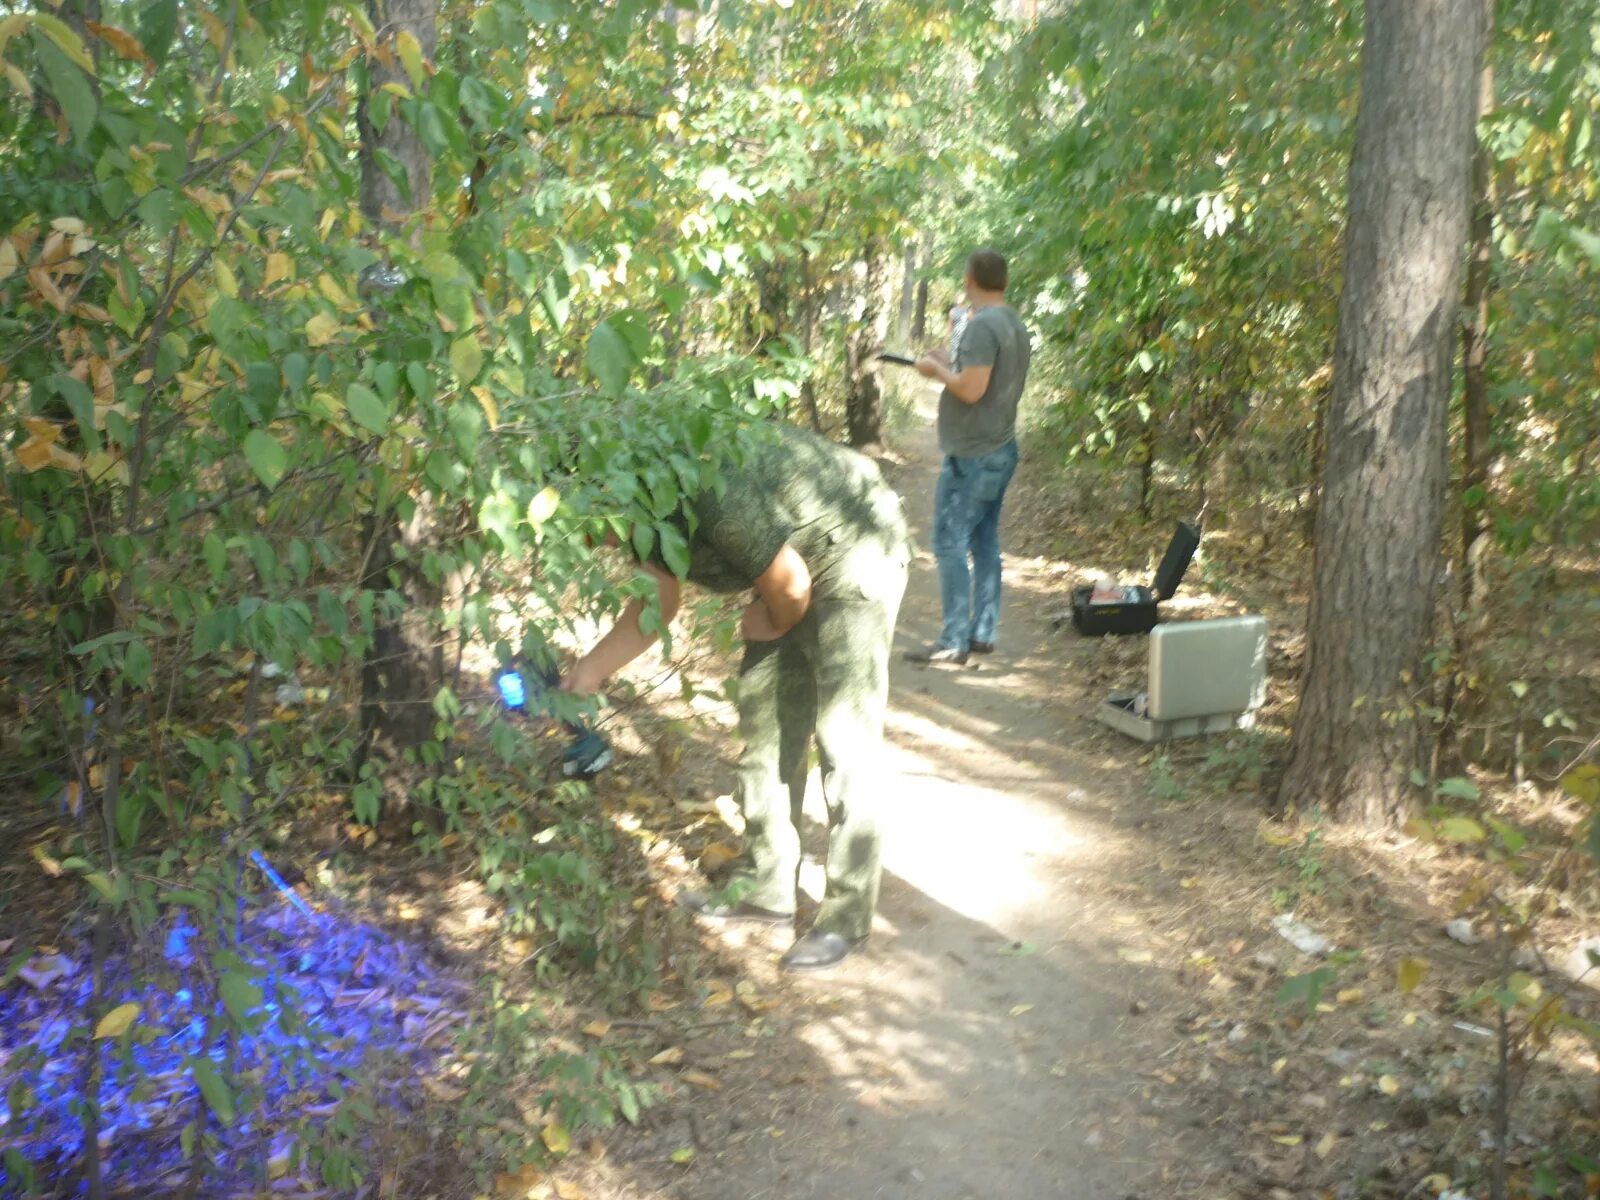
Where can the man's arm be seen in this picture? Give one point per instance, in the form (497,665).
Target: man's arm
(967,386)
(783,594)
(626,640)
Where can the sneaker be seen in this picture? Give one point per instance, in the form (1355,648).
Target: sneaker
(937,655)
(982,647)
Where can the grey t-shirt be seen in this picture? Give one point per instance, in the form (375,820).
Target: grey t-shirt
(994,337)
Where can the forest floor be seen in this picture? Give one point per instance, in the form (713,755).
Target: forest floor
(1072,989)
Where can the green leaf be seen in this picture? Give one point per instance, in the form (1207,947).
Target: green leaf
(543,506)
(466,356)
(1459,787)
(608,358)
(265,456)
(366,409)
(137,664)
(1306,989)
(216,553)
(296,370)
(158,24)
(241,996)
(69,85)
(212,1087)
(1461,829)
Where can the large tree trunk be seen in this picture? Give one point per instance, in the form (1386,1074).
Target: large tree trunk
(1359,734)
(863,399)
(405,667)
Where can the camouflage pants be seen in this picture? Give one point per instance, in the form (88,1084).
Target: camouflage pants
(828,677)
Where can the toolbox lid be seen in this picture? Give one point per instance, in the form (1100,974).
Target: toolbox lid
(1180,552)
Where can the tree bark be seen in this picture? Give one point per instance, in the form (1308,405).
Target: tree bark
(1476,437)
(382,200)
(1359,734)
(405,666)
(863,400)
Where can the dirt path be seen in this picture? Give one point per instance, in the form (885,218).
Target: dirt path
(984,1043)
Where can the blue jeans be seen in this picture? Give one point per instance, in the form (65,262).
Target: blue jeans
(966,525)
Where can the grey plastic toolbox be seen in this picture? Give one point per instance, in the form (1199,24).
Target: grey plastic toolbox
(1203,677)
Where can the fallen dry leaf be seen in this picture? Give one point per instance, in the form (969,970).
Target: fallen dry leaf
(1018,1009)
(597,1029)
(568,1190)
(1326,1145)
(516,1185)
(701,1079)
(657,1002)
(669,1057)
(1130,955)
(1350,996)
(1388,1085)
(719,994)
(716,855)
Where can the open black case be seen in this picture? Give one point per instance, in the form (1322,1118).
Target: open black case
(1138,615)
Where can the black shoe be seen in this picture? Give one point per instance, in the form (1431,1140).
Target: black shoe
(716,910)
(982,647)
(936,655)
(818,951)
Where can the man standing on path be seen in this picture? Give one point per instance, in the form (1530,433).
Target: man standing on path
(821,537)
(978,436)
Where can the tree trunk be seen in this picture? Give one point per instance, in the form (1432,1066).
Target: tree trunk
(382,201)
(908,294)
(1358,734)
(1475,440)
(919,320)
(808,336)
(405,666)
(863,400)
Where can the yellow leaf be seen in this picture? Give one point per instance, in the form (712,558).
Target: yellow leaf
(117,1022)
(102,465)
(1292,1139)
(669,1057)
(329,287)
(597,1029)
(1350,996)
(322,329)
(120,40)
(227,282)
(720,994)
(491,410)
(543,506)
(410,51)
(1436,1183)
(657,1002)
(1326,1145)
(1274,836)
(1018,1009)
(70,43)
(568,1190)
(702,1080)
(18,80)
(556,1139)
(396,89)
(8,257)
(49,865)
(1388,1085)
(1410,973)
(1129,955)
(68,225)
(279,266)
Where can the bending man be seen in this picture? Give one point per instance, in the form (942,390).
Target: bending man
(815,530)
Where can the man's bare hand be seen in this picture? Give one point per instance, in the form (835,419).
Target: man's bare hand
(930,367)
(582,679)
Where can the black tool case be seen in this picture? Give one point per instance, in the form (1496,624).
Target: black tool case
(1138,616)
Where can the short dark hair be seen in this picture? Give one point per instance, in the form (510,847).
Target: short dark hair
(988,270)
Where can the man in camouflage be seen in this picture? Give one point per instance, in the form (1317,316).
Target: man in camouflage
(815,530)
